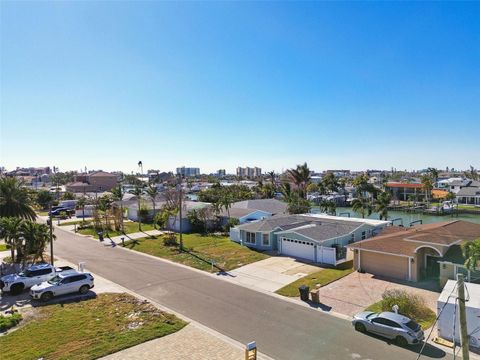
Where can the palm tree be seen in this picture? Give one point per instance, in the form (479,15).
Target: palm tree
(117,193)
(434,174)
(138,193)
(10,232)
(427,185)
(382,204)
(81,203)
(152,192)
(14,199)
(363,206)
(226,202)
(37,237)
(328,206)
(471,252)
(272,178)
(472,174)
(300,177)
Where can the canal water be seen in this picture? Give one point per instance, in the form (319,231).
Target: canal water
(407,218)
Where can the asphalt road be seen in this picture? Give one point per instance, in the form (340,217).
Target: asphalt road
(281,329)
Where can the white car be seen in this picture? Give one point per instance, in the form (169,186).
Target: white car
(35,274)
(63,284)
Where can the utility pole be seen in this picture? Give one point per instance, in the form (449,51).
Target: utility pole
(50,223)
(180,211)
(463,317)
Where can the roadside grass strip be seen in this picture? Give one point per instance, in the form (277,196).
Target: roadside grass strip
(202,249)
(322,278)
(88,329)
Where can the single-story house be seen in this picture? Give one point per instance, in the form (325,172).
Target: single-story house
(173,221)
(251,210)
(314,237)
(417,253)
(469,195)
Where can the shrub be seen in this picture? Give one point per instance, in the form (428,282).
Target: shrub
(170,239)
(410,305)
(9,321)
(230,223)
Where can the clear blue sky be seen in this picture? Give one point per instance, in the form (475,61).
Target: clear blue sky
(218,85)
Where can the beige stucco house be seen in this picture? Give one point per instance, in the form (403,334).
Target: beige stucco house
(418,253)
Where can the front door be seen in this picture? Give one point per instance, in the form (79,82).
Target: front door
(433,267)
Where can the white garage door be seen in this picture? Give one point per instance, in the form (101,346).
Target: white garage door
(298,249)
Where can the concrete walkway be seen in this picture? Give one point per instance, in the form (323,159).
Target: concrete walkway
(117,239)
(271,274)
(189,343)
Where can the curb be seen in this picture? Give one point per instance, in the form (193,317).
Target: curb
(218,276)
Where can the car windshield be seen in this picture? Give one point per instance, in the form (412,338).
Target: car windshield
(412,325)
(371,315)
(55,280)
(25,273)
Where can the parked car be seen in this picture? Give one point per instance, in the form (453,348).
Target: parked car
(35,274)
(62,284)
(56,211)
(389,325)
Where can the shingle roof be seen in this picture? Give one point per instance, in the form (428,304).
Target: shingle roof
(469,191)
(315,228)
(273,206)
(404,242)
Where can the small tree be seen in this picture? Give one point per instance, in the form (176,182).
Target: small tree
(68,196)
(44,198)
(471,252)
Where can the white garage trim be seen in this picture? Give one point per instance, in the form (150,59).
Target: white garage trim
(298,248)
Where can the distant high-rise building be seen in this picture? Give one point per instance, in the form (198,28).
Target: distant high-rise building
(188,171)
(221,172)
(249,172)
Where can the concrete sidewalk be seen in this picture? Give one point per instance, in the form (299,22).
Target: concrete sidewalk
(116,239)
(189,343)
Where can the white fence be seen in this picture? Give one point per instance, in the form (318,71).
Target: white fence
(235,234)
(326,255)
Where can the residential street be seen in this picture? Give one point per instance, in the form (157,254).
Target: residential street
(282,330)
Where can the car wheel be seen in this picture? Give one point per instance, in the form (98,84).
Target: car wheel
(46,296)
(16,289)
(401,341)
(360,327)
(84,289)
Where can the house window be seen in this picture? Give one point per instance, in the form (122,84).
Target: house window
(352,238)
(266,239)
(364,235)
(250,238)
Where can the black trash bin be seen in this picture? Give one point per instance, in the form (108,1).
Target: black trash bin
(304,291)
(100,235)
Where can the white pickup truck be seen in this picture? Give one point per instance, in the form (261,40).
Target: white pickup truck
(35,274)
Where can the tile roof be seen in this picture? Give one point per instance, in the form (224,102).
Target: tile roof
(404,242)
(469,191)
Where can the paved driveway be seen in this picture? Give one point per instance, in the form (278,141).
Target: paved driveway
(271,274)
(354,292)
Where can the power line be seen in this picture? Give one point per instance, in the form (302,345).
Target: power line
(435,322)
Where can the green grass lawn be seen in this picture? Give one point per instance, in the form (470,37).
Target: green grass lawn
(42,213)
(322,277)
(426,322)
(76,222)
(3,247)
(88,329)
(130,227)
(227,254)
